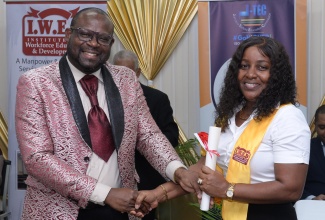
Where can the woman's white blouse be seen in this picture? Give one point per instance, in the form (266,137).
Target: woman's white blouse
(287,140)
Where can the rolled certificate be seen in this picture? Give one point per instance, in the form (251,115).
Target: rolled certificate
(210,160)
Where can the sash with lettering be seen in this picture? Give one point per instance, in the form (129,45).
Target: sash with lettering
(239,164)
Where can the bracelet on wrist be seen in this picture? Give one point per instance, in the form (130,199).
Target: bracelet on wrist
(165,191)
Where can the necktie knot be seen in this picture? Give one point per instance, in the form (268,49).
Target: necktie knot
(89,83)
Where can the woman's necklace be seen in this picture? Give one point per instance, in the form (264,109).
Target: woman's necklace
(240,115)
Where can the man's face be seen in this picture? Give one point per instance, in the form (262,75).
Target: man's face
(320,127)
(89,56)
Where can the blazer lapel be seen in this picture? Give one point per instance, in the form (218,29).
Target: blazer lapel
(115,107)
(70,88)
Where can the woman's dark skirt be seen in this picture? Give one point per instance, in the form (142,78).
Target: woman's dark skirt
(284,211)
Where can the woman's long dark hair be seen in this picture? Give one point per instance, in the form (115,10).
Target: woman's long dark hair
(281,86)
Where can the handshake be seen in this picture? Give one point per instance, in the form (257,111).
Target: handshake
(139,203)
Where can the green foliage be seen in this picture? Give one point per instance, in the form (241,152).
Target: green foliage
(187,153)
(212,214)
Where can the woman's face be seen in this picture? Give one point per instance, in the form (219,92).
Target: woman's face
(254,73)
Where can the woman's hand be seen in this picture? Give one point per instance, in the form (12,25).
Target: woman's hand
(213,183)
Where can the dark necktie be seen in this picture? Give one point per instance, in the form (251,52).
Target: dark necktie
(99,126)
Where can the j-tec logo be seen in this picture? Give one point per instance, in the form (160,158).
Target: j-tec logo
(241,155)
(252,18)
(43,31)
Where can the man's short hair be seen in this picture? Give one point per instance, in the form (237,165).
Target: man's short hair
(126,54)
(320,110)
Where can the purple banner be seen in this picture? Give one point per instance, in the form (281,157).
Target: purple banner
(231,22)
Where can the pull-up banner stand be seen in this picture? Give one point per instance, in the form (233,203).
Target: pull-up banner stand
(35,37)
(224,24)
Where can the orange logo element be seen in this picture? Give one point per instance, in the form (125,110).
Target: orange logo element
(241,155)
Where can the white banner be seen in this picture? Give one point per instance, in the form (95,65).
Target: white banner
(35,37)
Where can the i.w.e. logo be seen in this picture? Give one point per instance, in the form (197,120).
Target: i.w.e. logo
(43,31)
(45,27)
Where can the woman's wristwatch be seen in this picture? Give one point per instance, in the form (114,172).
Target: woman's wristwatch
(230,191)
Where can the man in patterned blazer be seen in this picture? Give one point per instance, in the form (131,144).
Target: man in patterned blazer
(66,179)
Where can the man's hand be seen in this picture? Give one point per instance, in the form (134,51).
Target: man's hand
(187,179)
(122,199)
(146,200)
(148,197)
(319,197)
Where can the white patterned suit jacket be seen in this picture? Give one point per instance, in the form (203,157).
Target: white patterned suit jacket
(53,137)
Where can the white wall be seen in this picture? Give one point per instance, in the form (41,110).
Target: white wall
(316,55)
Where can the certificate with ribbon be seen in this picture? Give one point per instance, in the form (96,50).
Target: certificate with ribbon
(210,143)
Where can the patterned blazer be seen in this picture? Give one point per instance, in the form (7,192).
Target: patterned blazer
(54,139)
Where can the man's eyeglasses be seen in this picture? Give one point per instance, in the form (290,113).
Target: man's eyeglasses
(87,35)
